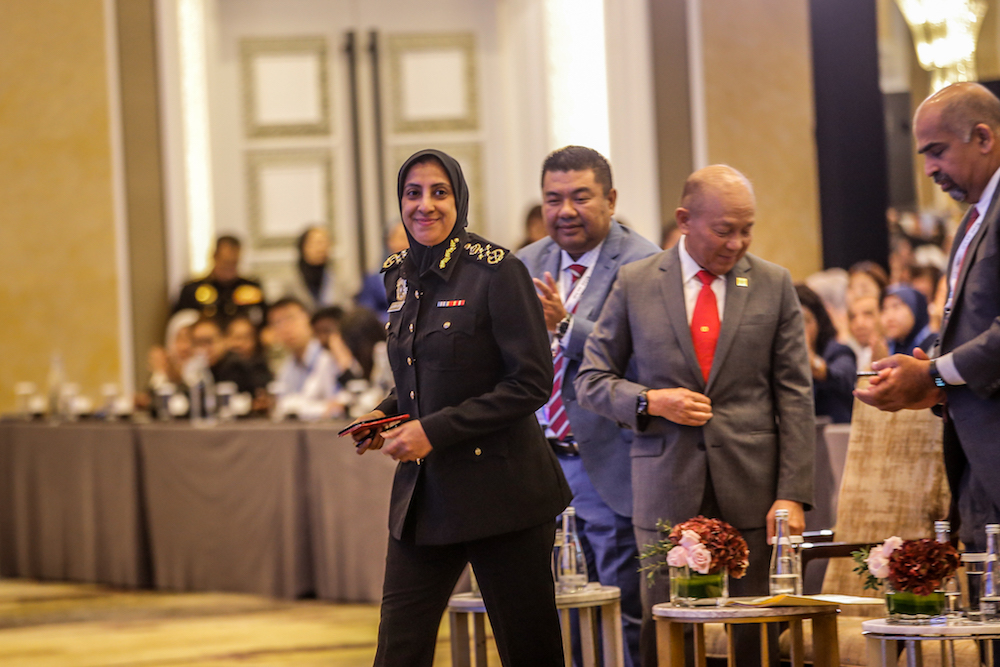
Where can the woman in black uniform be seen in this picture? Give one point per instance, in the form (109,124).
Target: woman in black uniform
(476,481)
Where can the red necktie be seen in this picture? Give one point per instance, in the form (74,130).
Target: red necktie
(705,324)
(972,220)
(556,412)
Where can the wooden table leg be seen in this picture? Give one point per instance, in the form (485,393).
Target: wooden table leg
(669,643)
(566,638)
(730,646)
(587,635)
(611,631)
(459,622)
(765,652)
(700,658)
(826,647)
(479,639)
(798,651)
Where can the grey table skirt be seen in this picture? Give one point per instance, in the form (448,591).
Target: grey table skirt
(283,510)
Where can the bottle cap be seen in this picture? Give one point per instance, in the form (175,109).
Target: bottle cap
(570,511)
(796,539)
(781,514)
(993,529)
(941,526)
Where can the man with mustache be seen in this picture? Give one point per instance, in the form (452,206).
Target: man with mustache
(956,130)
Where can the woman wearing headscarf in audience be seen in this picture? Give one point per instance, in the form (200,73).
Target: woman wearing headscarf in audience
(313,283)
(905,320)
(833,364)
(476,480)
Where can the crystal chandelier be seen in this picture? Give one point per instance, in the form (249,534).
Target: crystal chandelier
(945,34)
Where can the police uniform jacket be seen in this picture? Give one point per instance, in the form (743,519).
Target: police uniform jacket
(224,301)
(470,355)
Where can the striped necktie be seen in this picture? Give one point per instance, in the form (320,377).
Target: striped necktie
(554,409)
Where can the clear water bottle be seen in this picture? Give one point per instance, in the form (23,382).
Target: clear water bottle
(785,578)
(572,563)
(989,598)
(949,585)
(198,376)
(56,380)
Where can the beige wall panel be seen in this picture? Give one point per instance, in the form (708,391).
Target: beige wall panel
(759,101)
(57,235)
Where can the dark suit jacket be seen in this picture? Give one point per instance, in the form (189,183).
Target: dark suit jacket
(971,331)
(470,356)
(759,444)
(604,446)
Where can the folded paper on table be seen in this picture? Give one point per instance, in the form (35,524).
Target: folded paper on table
(806,601)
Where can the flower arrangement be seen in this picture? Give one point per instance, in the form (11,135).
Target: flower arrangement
(913,566)
(707,546)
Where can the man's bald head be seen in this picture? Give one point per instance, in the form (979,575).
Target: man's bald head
(962,106)
(712,182)
(716,216)
(956,131)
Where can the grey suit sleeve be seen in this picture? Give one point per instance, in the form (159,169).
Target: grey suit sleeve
(792,385)
(600,384)
(978,361)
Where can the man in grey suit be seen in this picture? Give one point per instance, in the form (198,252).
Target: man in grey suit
(574,269)
(957,130)
(722,406)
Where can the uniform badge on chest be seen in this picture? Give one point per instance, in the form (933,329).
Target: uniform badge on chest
(400,295)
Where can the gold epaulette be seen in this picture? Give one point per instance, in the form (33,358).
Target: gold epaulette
(393,260)
(485,252)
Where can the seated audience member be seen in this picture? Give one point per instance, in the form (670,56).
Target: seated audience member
(166,363)
(866,279)
(534,226)
(313,281)
(223,293)
(326,326)
(361,332)
(243,339)
(670,234)
(831,287)
(225,365)
(925,279)
(833,366)
(905,320)
(308,376)
(864,317)
(372,294)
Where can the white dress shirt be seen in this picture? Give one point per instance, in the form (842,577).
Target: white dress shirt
(692,284)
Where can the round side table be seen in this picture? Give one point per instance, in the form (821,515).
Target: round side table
(670,622)
(883,639)
(587,601)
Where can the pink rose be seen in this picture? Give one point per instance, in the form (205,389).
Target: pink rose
(677,557)
(689,538)
(699,559)
(877,565)
(890,545)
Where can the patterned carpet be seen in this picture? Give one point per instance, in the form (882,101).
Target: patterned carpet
(78,625)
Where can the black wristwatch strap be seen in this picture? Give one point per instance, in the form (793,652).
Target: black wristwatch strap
(642,403)
(935,375)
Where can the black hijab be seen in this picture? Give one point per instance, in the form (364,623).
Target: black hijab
(917,304)
(312,274)
(425,257)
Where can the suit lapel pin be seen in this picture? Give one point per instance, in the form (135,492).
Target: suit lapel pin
(742,282)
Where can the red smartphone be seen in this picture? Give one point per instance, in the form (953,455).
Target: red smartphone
(379,421)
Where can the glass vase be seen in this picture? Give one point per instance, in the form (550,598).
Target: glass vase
(906,608)
(691,589)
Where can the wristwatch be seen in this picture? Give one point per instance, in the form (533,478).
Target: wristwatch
(642,403)
(563,325)
(933,371)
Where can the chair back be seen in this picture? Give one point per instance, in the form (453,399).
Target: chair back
(894,484)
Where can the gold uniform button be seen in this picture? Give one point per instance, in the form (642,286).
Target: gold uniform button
(411,328)
(413,394)
(478,452)
(409,361)
(418,295)
(447,325)
(387,325)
